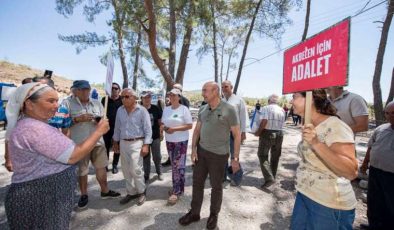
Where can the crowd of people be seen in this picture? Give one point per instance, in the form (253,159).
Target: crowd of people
(45,175)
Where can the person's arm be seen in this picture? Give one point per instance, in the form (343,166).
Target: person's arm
(339,157)
(147,127)
(8,163)
(365,164)
(116,136)
(243,119)
(235,130)
(195,139)
(361,124)
(83,149)
(262,126)
(187,119)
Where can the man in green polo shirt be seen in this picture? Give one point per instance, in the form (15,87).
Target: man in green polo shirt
(210,151)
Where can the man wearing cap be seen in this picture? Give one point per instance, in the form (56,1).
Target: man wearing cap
(210,151)
(83,112)
(132,137)
(155,118)
(114,102)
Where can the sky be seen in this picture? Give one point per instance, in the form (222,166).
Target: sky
(29,35)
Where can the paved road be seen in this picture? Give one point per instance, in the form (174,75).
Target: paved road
(247,207)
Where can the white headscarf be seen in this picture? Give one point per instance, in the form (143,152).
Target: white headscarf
(16,101)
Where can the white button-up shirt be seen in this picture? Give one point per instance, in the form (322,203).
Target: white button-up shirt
(240,109)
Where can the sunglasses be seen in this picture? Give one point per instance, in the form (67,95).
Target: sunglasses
(125,97)
(115,88)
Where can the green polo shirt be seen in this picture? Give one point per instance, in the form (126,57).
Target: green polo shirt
(216,127)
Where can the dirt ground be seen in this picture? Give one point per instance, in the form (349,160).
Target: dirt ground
(246,207)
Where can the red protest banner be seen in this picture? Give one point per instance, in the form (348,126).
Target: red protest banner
(319,62)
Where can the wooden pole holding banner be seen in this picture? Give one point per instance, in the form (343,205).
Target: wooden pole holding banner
(105,106)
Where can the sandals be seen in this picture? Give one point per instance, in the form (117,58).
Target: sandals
(173,199)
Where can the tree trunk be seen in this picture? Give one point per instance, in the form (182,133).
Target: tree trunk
(137,58)
(391,92)
(308,11)
(229,63)
(221,63)
(119,34)
(215,54)
(245,49)
(172,50)
(151,31)
(185,45)
(377,92)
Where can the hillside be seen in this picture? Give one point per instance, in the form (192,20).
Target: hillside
(15,73)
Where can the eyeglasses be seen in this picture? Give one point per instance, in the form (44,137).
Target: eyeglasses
(115,88)
(125,97)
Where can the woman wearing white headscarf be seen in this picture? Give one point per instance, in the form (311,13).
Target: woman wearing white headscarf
(43,183)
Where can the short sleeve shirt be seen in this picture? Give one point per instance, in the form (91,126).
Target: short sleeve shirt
(38,150)
(216,127)
(315,180)
(382,148)
(274,115)
(81,131)
(176,117)
(155,115)
(350,105)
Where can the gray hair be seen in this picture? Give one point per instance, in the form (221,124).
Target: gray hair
(227,82)
(273,99)
(131,91)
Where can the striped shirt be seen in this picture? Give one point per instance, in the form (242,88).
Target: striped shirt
(274,115)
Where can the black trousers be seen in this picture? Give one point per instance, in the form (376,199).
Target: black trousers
(212,164)
(380,199)
(108,146)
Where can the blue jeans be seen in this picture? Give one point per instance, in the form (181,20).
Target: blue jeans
(308,214)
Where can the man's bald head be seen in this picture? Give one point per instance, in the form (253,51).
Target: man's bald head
(389,113)
(210,91)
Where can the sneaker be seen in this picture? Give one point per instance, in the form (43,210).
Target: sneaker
(167,163)
(115,170)
(160,177)
(83,201)
(109,194)
(141,199)
(172,199)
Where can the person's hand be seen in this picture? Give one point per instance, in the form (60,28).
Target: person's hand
(364,167)
(243,136)
(8,165)
(194,157)
(115,147)
(169,130)
(103,126)
(84,117)
(309,134)
(235,166)
(144,150)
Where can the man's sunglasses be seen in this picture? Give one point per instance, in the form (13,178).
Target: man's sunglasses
(125,97)
(115,88)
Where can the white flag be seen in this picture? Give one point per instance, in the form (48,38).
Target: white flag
(110,72)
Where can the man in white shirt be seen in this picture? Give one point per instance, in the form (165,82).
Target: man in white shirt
(240,108)
(271,137)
